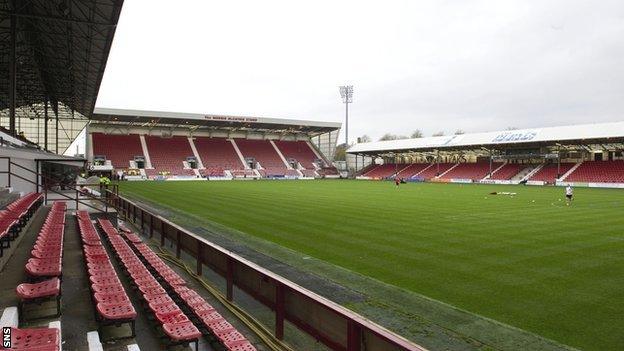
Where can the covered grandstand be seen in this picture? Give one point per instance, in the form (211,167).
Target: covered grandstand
(165,145)
(581,155)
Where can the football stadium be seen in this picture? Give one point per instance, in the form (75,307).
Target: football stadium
(205,231)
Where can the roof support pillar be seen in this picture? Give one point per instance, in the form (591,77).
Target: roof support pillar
(45,125)
(12,70)
(438,162)
(56,150)
(558,162)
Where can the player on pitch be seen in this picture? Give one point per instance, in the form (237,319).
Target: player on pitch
(569,193)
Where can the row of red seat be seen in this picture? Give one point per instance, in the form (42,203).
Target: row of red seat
(174,323)
(598,172)
(508,171)
(45,263)
(14,217)
(47,253)
(202,313)
(112,304)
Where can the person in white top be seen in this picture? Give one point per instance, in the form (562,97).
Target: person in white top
(569,194)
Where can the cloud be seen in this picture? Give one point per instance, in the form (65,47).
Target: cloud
(431,65)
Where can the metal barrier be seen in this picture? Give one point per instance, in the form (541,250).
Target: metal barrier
(104,190)
(335,326)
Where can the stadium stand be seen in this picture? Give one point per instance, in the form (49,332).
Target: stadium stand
(548,173)
(168,155)
(507,171)
(433,171)
(217,155)
(119,149)
(598,172)
(474,171)
(264,153)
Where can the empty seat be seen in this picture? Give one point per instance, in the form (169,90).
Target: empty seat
(264,153)
(174,323)
(412,169)
(598,172)
(471,170)
(508,171)
(119,149)
(383,171)
(551,171)
(15,216)
(217,155)
(36,292)
(121,310)
(168,155)
(35,339)
(113,306)
(435,170)
(301,152)
(167,311)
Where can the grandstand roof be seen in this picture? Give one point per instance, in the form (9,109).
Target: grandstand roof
(61,49)
(210,121)
(584,134)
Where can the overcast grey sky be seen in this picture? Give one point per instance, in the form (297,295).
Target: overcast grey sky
(433,65)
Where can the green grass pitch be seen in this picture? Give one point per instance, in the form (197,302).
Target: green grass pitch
(527,261)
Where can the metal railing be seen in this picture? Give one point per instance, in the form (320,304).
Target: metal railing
(333,325)
(46,189)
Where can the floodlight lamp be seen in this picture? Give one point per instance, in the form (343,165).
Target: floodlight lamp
(346,93)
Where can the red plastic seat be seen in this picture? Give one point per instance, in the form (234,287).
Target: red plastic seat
(94,250)
(157,299)
(241,345)
(152,290)
(171,317)
(41,267)
(36,339)
(133,238)
(103,273)
(108,289)
(100,266)
(111,298)
(164,307)
(123,310)
(187,294)
(231,336)
(181,331)
(211,317)
(46,288)
(219,325)
(104,280)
